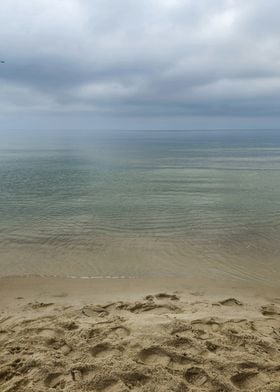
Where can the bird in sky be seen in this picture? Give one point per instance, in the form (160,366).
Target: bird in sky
(2,62)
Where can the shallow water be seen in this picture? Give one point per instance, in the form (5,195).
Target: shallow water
(203,203)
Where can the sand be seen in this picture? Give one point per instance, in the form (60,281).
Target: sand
(138,335)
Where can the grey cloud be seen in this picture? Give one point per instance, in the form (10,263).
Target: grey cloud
(154,58)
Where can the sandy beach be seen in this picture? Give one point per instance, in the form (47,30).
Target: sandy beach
(138,335)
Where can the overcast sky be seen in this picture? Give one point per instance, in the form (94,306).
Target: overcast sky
(139,64)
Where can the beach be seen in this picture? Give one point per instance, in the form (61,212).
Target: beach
(138,335)
(139,196)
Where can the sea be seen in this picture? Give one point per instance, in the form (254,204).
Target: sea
(126,204)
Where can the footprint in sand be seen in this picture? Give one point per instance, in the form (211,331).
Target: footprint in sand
(180,361)
(118,333)
(230,302)
(236,330)
(178,341)
(104,350)
(197,377)
(59,345)
(151,307)
(134,379)
(148,306)
(198,329)
(154,356)
(109,385)
(267,327)
(47,334)
(205,329)
(182,331)
(57,380)
(159,296)
(61,381)
(197,293)
(94,311)
(84,373)
(249,380)
(40,305)
(270,310)
(48,337)
(69,325)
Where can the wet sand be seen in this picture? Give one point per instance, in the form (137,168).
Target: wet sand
(138,335)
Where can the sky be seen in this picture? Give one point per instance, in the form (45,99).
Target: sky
(149,64)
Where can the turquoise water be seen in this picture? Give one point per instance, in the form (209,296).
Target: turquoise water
(140,203)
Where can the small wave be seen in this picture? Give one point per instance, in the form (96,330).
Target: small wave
(68,276)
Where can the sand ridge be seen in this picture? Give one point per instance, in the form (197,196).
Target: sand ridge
(160,342)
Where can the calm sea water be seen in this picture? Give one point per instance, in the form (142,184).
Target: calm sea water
(141,204)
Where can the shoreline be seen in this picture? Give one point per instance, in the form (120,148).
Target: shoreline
(102,289)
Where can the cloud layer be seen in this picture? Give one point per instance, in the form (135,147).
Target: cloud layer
(140,59)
